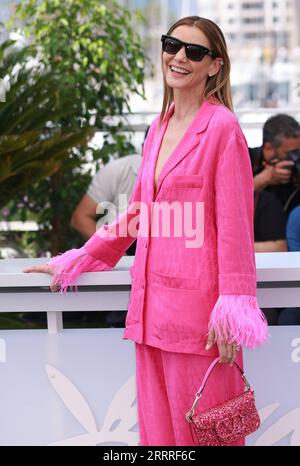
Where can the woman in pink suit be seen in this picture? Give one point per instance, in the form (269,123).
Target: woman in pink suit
(193,294)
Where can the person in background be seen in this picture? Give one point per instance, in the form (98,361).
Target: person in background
(293,230)
(116,178)
(276,164)
(269,223)
(276,170)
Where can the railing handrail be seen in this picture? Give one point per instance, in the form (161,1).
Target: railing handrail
(275,267)
(278,285)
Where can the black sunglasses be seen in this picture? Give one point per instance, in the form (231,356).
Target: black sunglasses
(193,52)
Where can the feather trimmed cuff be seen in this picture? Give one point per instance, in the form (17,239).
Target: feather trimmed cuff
(238,319)
(68,266)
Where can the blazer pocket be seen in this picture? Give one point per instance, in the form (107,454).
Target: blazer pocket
(184,283)
(185,181)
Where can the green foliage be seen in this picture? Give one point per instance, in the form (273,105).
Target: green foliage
(88,61)
(94,47)
(33,146)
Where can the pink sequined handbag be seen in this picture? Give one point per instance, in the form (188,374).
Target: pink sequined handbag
(225,423)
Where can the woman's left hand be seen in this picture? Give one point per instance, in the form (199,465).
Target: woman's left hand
(227,351)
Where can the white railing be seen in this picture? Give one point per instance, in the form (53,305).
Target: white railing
(97,291)
(278,285)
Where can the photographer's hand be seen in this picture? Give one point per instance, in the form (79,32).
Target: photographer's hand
(279,173)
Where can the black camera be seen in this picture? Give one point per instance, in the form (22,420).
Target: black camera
(294,155)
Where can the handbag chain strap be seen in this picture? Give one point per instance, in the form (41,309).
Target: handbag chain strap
(190,413)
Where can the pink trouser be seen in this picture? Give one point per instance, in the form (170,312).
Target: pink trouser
(166,386)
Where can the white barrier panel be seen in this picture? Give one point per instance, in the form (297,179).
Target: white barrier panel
(78,388)
(75,388)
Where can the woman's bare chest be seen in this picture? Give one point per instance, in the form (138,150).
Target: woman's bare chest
(170,140)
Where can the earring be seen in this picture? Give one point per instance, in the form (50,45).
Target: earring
(210,75)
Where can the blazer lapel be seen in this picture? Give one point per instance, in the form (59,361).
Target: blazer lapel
(186,144)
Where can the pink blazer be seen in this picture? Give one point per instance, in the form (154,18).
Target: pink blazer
(178,292)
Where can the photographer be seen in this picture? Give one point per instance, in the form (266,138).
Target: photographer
(276,165)
(276,171)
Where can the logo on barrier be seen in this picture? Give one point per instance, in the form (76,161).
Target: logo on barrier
(296,352)
(280,428)
(2,350)
(120,418)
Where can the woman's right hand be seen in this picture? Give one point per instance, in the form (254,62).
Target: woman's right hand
(227,351)
(44,268)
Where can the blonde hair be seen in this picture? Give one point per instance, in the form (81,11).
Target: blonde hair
(217,87)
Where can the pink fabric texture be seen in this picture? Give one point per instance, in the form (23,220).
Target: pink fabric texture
(177,290)
(168,391)
(68,266)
